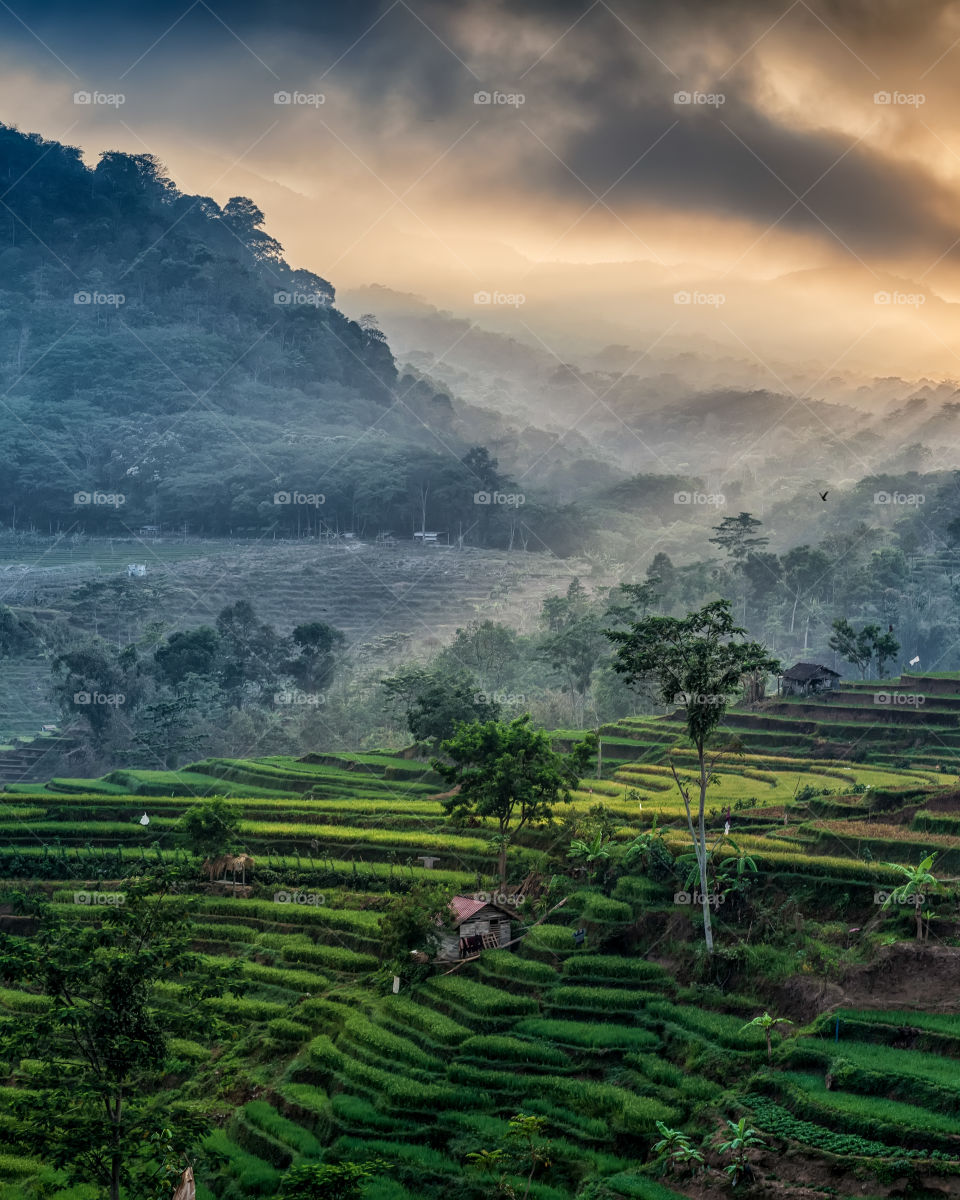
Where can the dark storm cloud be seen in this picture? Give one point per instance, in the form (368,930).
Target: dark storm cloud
(424,60)
(735,160)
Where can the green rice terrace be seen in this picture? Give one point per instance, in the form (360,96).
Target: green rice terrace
(608,1039)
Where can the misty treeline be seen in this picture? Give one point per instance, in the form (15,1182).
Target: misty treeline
(239,687)
(856,600)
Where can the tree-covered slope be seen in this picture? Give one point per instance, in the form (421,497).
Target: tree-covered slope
(157,349)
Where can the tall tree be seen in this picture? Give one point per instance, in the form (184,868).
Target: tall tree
(573,643)
(737,536)
(702,658)
(860,647)
(318,646)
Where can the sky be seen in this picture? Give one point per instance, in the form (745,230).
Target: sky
(775,181)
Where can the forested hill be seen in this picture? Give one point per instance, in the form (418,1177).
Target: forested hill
(162,363)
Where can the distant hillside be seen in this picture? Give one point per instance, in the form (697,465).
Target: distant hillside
(163,364)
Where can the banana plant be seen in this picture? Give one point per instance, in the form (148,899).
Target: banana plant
(675,1150)
(593,853)
(743,1140)
(919,880)
(767,1024)
(733,875)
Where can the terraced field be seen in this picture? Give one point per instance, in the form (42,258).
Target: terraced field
(363,588)
(912,723)
(602,1040)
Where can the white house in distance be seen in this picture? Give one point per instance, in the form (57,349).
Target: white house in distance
(478,925)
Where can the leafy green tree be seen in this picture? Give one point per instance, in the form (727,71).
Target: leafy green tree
(627,602)
(700,657)
(318,647)
(918,881)
(330,1181)
(647,850)
(436,703)
(98,1111)
(763,574)
(767,1024)
(805,572)
(413,921)
(738,537)
(510,772)
(211,828)
(885,647)
(245,220)
(735,873)
(573,643)
(591,852)
(98,687)
(19,633)
(251,652)
(188,652)
(167,729)
(486,649)
(853,647)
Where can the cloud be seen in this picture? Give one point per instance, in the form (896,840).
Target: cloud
(598,82)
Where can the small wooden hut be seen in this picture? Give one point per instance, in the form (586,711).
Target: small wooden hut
(477,925)
(216,870)
(808,679)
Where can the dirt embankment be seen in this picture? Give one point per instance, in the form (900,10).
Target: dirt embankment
(907,975)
